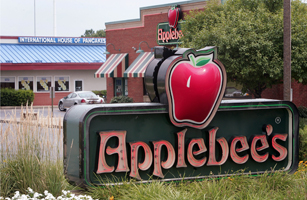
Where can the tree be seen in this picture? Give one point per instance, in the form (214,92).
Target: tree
(92,33)
(249,37)
(299,41)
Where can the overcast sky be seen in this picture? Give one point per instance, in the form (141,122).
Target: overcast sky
(73,17)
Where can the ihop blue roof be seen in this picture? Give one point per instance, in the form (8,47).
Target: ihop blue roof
(33,53)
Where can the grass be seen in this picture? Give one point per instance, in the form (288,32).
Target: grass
(31,156)
(279,185)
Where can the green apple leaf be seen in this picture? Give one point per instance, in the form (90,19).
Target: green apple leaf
(202,61)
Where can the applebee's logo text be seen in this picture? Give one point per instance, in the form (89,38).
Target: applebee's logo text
(172,34)
(256,148)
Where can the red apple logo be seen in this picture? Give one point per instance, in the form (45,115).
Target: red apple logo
(195,86)
(173,16)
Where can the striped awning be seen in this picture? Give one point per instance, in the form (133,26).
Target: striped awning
(114,66)
(139,65)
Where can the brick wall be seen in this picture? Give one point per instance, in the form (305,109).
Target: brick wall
(43,99)
(135,89)
(299,93)
(110,89)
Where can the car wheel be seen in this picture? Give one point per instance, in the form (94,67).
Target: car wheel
(61,106)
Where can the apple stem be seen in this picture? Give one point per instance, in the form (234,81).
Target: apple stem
(192,58)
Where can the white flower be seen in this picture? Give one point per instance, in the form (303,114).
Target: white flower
(17,194)
(24,196)
(36,195)
(30,190)
(49,196)
(64,192)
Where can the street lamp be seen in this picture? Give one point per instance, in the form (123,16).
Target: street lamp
(140,50)
(106,52)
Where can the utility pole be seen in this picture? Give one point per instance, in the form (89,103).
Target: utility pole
(54,19)
(287,50)
(34,19)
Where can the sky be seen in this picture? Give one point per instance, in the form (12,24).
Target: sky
(72,17)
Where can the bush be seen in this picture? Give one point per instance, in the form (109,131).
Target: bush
(11,97)
(303,144)
(302,110)
(121,99)
(101,93)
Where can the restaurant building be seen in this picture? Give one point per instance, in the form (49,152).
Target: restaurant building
(39,63)
(130,44)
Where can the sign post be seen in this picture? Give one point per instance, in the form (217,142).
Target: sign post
(52,96)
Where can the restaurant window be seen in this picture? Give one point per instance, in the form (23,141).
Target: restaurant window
(61,83)
(78,85)
(25,83)
(8,82)
(43,84)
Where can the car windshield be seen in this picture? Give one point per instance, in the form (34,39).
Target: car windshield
(87,94)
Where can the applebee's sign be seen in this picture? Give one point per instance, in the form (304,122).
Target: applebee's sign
(170,32)
(187,132)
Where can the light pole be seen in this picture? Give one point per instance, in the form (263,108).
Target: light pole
(54,19)
(34,19)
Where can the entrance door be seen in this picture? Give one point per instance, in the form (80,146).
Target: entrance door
(119,87)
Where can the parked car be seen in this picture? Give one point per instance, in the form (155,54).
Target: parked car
(80,97)
(234,92)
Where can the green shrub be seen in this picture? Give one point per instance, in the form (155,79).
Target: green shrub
(101,93)
(11,97)
(303,144)
(121,99)
(302,110)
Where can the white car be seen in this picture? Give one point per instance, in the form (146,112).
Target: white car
(81,97)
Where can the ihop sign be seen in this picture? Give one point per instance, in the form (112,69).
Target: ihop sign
(188,131)
(62,40)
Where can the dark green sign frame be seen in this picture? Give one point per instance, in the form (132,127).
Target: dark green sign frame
(149,122)
(167,35)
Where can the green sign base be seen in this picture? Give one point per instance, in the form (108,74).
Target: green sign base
(138,141)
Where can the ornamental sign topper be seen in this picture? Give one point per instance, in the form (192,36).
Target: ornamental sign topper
(187,132)
(174,14)
(200,77)
(191,82)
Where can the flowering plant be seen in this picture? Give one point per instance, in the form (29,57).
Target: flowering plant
(34,195)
